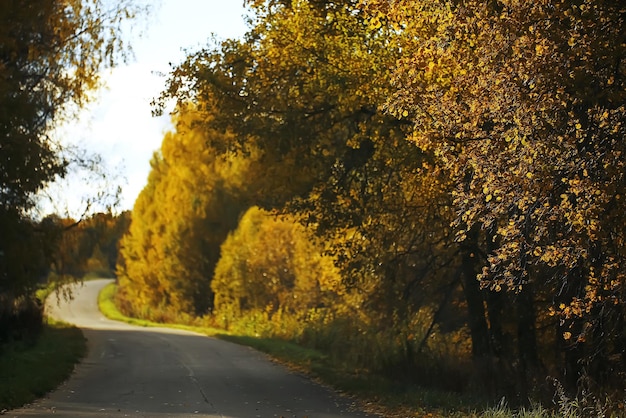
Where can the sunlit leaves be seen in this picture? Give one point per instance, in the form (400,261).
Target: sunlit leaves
(272,263)
(179,222)
(523,103)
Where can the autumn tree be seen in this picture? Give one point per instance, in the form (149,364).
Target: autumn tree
(140,252)
(385,209)
(271,263)
(51,55)
(524,103)
(52,52)
(179,221)
(301,114)
(87,246)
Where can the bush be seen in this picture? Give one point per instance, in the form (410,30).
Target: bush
(21,319)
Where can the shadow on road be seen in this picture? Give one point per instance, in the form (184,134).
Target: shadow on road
(132,371)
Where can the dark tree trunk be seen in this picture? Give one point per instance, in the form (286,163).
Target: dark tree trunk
(495,307)
(476,311)
(526,332)
(474,296)
(527,340)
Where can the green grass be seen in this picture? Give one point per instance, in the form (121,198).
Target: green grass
(108,309)
(28,372)
(100,274)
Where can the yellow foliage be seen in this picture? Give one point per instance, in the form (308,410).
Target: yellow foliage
(272,262)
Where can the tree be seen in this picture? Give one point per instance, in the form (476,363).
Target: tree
(51,53)
(88,246)
(303,91)
(139,261)
(524,102)
(272,264)
(300,115)
(180,219)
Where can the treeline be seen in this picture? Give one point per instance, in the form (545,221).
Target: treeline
(86,248)
(57,251)
(430,191)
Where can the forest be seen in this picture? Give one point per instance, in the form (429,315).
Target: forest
(428,190)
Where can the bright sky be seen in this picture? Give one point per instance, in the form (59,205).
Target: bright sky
(119,125)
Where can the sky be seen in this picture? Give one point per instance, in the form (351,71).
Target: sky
(119,125)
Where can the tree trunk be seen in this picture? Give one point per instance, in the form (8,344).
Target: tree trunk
(526,340)
(476,310)
(475,303)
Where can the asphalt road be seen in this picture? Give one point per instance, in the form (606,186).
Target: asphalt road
(157,372)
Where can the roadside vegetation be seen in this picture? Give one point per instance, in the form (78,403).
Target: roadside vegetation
(37,353)
(41,357)
(52,54)
(30,369)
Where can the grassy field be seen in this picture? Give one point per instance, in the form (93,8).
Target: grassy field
(29,371)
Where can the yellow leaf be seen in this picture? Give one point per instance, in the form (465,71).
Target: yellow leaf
(539,50)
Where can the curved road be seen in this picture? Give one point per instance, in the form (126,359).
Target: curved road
(157,372)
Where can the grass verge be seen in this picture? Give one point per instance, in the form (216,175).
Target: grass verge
(108,309)
(29,371)
(374,394)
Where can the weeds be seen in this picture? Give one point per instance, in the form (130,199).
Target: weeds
(587,403)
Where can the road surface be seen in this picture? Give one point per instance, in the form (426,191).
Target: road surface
(157,372)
